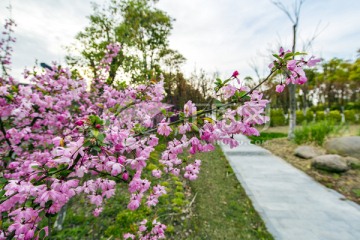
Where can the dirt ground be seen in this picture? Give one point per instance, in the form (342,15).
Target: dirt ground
(346,183)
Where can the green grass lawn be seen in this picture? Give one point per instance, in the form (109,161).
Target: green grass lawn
(221,208)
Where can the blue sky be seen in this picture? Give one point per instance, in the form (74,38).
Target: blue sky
(214,35)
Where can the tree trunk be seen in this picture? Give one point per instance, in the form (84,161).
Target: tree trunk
(292,111)
(292,96)
(58,224)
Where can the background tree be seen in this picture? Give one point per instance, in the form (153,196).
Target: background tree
(294,18)
(142,31)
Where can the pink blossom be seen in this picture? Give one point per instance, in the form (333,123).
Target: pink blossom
(189,109)
(54,156)
(313,61)
(152,200)
(56,141)
(229,91)
(134,202)
(153,141)
(280,88)
(96,200)
(156,173)
(97,211)
(291,65)
(164,128)
(184,128)
(128,236)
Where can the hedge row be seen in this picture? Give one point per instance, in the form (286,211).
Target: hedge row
(347,106)
(277,117)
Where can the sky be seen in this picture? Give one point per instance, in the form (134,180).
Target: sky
(217,36)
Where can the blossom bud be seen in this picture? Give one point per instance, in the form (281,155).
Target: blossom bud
(79,122)
(125,176)
(235,74)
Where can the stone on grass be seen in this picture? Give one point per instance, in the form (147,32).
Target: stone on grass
(330,163)
(345,146)
(307,152)
(353,163)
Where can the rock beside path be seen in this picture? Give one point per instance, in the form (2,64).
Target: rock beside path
(345,146)
(307,152)
(330,163)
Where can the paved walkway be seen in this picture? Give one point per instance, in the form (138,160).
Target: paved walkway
(292,204)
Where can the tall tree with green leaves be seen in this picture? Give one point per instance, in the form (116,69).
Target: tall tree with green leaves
(142,31)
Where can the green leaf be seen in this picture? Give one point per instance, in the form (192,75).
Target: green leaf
(288,55)
(96,148)
(226,81)
(95,120)
(42,234)
(101,137)
(217,103)
(163,111)
(35,167)
(48,203)
(95,132)
(65,173)
(194,127)
(4,215)
(87,143)
(199,112)
(277,56)
(52,170)
(299,53)
(3,180)
(242,93)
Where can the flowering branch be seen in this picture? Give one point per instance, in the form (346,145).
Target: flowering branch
(63,140)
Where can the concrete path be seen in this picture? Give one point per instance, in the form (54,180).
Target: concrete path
(292,205)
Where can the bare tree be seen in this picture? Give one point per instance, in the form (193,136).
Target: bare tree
(294,16)
(201,81)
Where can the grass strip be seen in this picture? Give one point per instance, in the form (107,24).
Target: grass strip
(222,209)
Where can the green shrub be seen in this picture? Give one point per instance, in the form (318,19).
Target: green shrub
(300,118)
(314,132)
(264,136)
(309,116)
(352,106)
(335,107)
(317,108)
(350,116)
(277,118)
(334,116)
(320,115)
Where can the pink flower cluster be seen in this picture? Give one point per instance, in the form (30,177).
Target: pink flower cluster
(54,133)
(292,68)
(156,231)
(59,139)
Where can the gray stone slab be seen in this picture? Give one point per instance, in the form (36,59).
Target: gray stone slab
(292,205)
